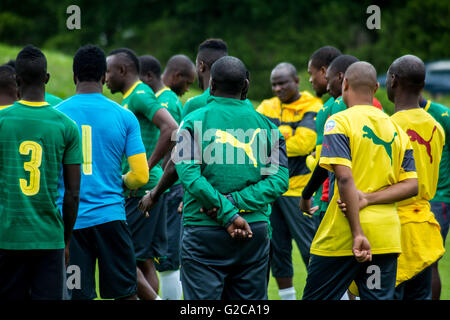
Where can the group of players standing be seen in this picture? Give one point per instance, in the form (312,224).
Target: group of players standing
(146,187)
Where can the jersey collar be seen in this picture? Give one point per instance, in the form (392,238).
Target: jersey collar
(131,89)
(5,106)
(161,91)
(34,103)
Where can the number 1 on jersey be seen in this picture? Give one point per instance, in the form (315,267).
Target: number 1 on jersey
(87,149)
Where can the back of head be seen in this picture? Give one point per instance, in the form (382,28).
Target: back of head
(11,63)
(322,57)
(129,58)
(180,63)
(148,63)
(229,75)
(7,77)
(31,66)
(211,50)
(341,63)
(89,63)
(361,76)
(409,71)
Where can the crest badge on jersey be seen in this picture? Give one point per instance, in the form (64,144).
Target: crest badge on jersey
(330,125)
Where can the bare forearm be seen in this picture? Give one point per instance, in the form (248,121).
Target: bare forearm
(394,193)
(348,193)
(168,178)
(70,212)
(163,146)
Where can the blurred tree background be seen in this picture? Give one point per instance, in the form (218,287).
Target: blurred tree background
(260,32)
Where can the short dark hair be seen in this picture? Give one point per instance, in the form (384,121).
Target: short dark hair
(149,63)
(410,72)
(130,55)
(89,63)
(31,65)
(341,63)
(7,76)
(322,57)
(209,51)
(229,74)
(11,63)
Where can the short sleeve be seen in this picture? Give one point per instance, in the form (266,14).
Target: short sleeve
(134,144)
(336,145)
(146,104)
(73,152)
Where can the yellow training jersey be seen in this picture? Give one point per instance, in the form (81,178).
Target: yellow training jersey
(422,243)
(296,121)
(379,154)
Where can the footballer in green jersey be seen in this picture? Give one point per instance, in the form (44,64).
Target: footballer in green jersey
(37,144)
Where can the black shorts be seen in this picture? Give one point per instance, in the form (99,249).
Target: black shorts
(416,288)
(32,274)
(111,244)
(149,234)
(215,266)
(171,201)
(441,211)
(329,277)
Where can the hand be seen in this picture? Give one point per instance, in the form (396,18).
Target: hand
(180,208)
(305,206)
(361,249)
(240,229)
(147,203)
(212,213)
(363,202)
(131,193)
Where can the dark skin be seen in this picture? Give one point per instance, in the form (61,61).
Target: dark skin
(152,81)
(9,95)
(120,77)
(203,73)
(177,81)
(334,82)
(317,78)
(285,85)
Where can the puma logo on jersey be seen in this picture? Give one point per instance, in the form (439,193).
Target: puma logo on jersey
(165,104)
(414,136)
(225,137)
(445,114)
(376,140)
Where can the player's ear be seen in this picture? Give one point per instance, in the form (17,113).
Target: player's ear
(47,77)
(340,76)
(323,70)
(74,79)
(202,66)
(376,87)
(212,86)
(103,79)
(344,85)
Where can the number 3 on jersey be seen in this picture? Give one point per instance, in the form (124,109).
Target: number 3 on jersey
(32,166)
(87,149)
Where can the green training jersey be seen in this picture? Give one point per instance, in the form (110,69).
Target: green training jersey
(230,157)
(169,100)
(35,140)
(441,114)
(141,100)
(195,103)
(52,99)
(321,118)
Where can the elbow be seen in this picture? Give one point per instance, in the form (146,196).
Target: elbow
(142,178)
(413,188)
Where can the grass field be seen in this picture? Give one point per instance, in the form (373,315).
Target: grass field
(61,84)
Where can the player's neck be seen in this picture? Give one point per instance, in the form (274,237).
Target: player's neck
(129,83)
(33,94)
(219,94)
(205,82)
(406,102)
(293,99)
(89,87)
(6,100)
(159,85)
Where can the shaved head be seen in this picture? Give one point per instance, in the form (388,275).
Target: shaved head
(409,71)
(229,75)
(180,63)
(285,68)
(361,76)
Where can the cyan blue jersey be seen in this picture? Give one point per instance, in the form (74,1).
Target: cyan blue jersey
(109,132)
